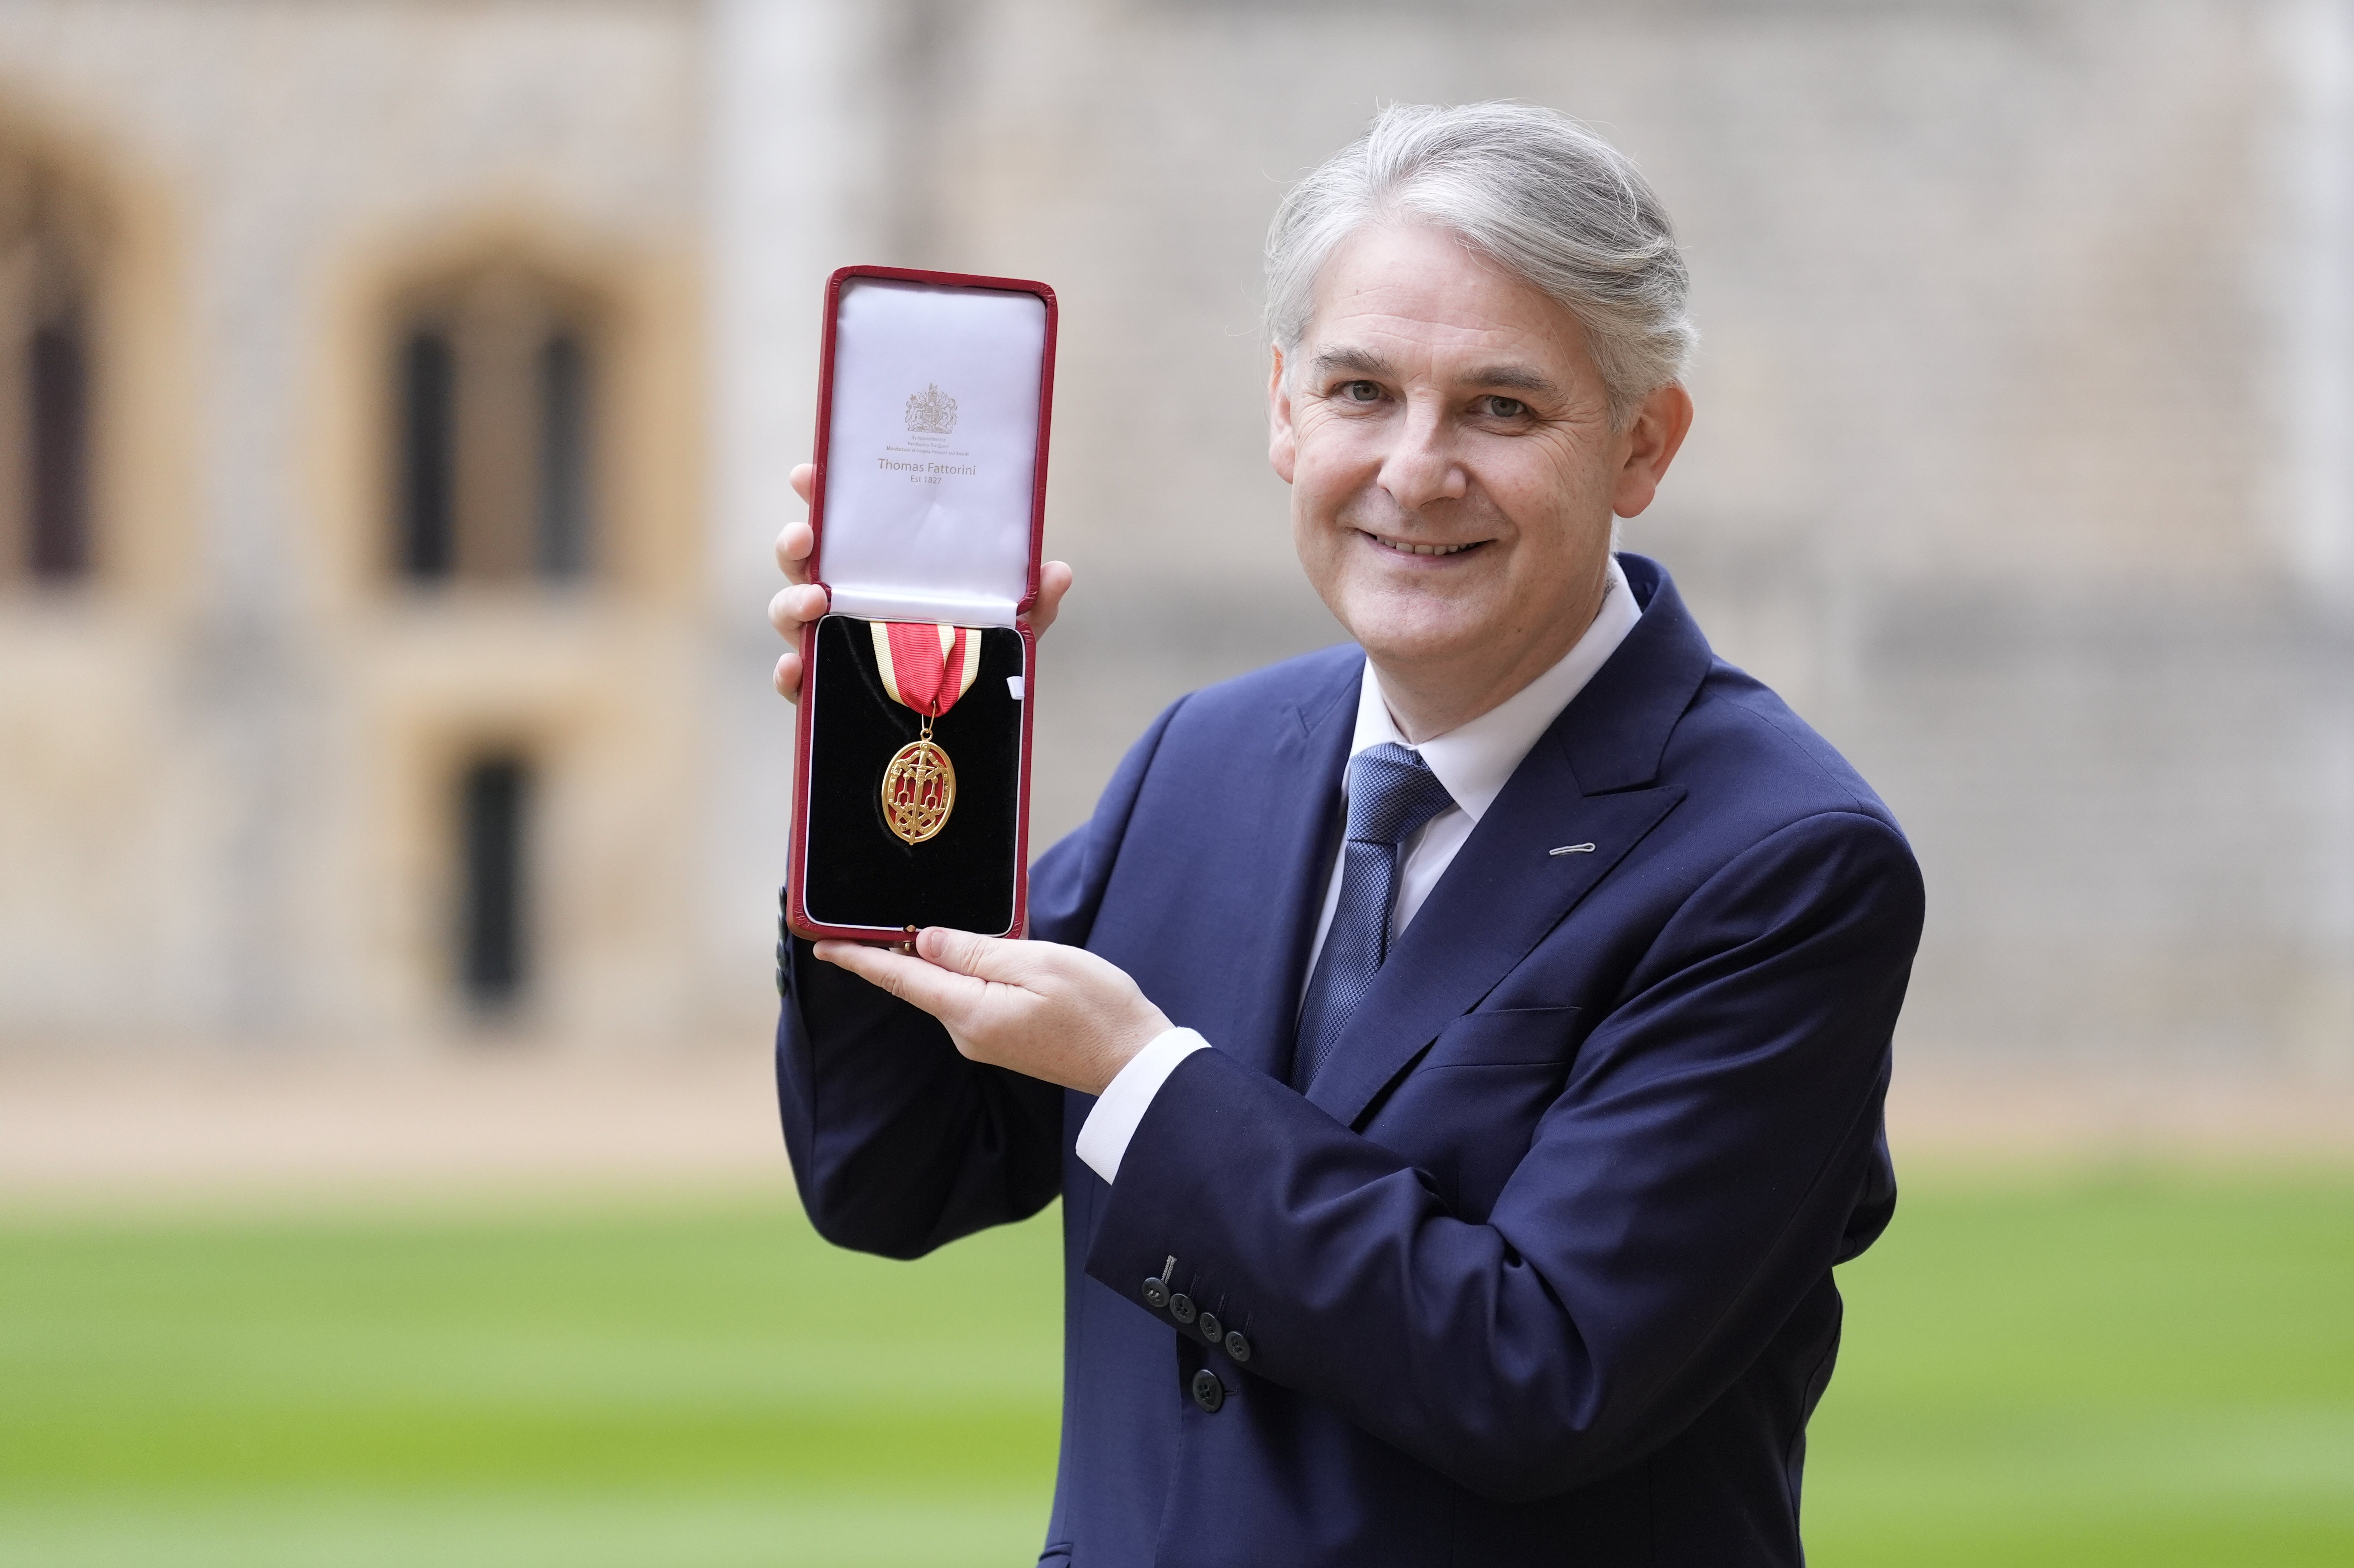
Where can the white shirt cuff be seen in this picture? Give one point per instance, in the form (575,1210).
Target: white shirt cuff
(1103,1137)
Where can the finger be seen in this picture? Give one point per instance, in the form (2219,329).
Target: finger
(793,547)
(945,995)
(984,957)
(803,478)
(794,608)
(1054,582)
(789,677)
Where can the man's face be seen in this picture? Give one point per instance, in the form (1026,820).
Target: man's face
(1453,469)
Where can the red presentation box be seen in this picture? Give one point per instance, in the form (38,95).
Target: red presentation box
(911,767)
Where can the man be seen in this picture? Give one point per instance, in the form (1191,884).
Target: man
(1461,1053)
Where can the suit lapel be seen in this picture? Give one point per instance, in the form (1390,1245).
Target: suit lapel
(1590,779)
(1500,898)
(1297,816)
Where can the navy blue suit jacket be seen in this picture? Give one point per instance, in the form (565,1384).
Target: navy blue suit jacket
(1540,1271)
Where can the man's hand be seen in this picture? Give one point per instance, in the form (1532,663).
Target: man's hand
(804,601)
(1054,1012)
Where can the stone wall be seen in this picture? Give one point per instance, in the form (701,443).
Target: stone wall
(227,786)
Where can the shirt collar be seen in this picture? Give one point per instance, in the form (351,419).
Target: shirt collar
(1475,761)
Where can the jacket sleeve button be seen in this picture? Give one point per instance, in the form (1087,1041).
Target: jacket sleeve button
(1211,1329)
(1237,1346)
(1208,1392)
(1181,1306)
(1156,1293)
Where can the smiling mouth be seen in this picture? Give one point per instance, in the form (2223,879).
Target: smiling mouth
(1407,547)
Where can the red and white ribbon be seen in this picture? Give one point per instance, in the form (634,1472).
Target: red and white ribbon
(926,667)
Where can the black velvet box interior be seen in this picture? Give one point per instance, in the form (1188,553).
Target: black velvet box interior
(859,873)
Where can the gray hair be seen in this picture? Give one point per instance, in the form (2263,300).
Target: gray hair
(1532,190)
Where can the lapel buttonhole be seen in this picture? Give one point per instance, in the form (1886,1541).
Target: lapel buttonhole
(1572,849)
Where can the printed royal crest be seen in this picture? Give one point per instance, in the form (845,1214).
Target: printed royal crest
(919,790)
(931,412)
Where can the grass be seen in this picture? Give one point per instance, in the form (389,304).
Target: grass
(707,1386)
(2156,1370)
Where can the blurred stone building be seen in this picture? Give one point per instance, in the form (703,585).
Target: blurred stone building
(355,596)
(396,398)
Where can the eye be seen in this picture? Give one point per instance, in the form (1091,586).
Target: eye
(1359,392)
(1505,408)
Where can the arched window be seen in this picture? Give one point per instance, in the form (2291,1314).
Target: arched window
(493,377)
(49,250)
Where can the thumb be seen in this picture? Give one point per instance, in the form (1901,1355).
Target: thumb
(967,953)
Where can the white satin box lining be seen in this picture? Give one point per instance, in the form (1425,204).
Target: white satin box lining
(891,604)
(932,452)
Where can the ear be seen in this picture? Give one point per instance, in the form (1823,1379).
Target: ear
(1282,449)
(1652,442)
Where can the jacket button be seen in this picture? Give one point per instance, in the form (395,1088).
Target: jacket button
(1237,1346)
(1208,1392)
(1210,1327)
(1156,1294)
(1181,1306)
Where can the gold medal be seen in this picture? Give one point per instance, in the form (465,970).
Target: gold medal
(925,668)
(918,789)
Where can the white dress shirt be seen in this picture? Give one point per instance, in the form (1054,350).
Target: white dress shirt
(1473,760)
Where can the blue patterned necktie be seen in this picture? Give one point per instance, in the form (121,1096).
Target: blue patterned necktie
(1392,791)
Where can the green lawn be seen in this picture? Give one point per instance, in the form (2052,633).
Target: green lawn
(2153,1372)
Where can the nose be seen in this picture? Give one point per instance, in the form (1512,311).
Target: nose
(1421,467)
